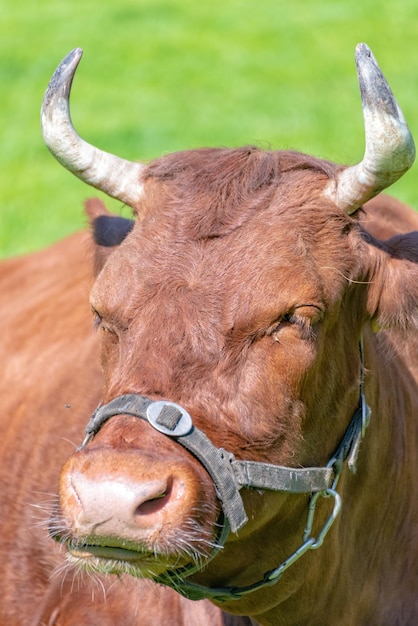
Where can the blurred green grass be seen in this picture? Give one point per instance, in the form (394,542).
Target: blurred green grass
(165,75)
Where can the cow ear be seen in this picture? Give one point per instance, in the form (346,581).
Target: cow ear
(393,282)
(108,230)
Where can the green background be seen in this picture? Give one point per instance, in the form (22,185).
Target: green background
(159,76)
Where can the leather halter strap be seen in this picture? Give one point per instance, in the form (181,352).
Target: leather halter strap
(228,474)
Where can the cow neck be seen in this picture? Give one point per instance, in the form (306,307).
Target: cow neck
(231,475)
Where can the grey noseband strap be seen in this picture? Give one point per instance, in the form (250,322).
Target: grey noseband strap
(229,475)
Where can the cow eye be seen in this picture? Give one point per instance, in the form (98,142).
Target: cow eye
(288,318)
(303,319)
(99,323)
(284,321)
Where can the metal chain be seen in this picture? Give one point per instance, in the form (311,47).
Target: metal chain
(309,542)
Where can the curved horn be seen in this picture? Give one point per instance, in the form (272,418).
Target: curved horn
(390,149)
(116,177)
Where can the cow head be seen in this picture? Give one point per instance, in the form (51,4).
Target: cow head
(240,294)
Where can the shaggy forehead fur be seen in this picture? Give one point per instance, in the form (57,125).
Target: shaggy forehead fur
(218,189)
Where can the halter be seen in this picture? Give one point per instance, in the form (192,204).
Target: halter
(230,475)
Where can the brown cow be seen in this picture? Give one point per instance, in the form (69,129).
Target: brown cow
(249,322)
(50,380)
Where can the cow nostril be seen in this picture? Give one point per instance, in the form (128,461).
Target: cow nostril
(153,505)
(156,501)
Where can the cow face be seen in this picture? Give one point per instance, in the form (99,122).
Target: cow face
(233,299)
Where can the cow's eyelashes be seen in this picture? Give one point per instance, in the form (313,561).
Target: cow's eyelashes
(302,325)
(305,324)
(99,323)
(284,321)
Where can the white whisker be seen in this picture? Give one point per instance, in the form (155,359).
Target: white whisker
(72,444)
(351,281)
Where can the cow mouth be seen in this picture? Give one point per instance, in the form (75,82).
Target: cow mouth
(106,559)
(106,552)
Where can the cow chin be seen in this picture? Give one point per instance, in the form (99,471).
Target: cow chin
(119,561)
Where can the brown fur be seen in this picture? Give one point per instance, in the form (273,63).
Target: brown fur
(242,293)
(50,381)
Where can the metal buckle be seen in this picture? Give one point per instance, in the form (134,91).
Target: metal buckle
(169,418)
